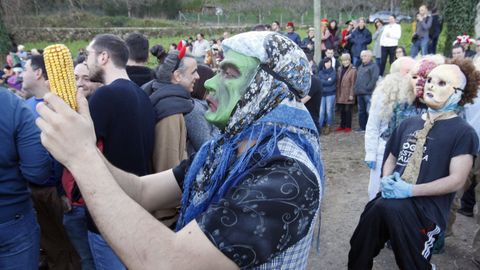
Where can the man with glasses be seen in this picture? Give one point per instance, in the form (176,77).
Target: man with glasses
(123,119)
(54,239)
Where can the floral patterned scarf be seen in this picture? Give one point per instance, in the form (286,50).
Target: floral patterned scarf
(260,116)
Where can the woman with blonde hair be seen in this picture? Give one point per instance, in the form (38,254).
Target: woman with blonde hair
(394,89)
(346,76)
(396,98)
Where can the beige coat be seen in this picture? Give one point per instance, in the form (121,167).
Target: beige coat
(170,142)
(345,85)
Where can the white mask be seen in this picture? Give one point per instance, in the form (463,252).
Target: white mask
(444,82)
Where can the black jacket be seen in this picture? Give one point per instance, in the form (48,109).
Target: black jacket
(139,75)
(169,99)
(367,76)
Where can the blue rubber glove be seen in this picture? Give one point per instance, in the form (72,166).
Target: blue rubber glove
(371,164)
(396,188)
(385,187)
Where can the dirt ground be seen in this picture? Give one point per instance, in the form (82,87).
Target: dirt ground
(344,199)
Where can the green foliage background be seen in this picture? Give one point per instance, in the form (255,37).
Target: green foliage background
(5,42)
(459,18)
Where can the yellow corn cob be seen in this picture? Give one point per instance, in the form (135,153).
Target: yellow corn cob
(59,65)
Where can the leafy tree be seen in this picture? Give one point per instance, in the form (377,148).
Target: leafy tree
(5,42)
(459,19)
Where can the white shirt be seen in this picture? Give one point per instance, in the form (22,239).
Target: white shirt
(391,34)
(334,63)
(472,114)
(200,48)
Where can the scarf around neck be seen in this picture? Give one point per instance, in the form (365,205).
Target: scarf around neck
(267,112)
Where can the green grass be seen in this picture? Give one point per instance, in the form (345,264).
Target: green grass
(74,46)
(86,20)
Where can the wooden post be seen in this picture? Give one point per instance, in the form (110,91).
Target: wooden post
(318,34)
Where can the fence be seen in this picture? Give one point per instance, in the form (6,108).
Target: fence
(239,19)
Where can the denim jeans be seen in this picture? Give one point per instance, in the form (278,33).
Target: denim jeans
(327,108)
(356,61)
(363,108)
(76,226)
(103,255)
(420,44)
(378,61)
(20,242)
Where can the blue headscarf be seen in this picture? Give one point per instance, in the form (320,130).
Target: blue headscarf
(268,111)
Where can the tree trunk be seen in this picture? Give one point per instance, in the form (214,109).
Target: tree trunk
(35,6)
(5,41)
(129,8)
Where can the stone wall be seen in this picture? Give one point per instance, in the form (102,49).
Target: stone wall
(23,35)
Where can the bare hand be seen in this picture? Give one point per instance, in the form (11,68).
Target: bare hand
(66,134)
(350,97)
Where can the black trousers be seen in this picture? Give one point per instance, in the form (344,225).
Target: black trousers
(468,198)
(410,233)
(54,239)
(345,115)
(390,52)
(432,46)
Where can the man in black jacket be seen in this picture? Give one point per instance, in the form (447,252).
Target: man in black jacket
(137,70)
(367,76)
(435,30)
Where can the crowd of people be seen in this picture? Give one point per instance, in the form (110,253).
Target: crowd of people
(215,152)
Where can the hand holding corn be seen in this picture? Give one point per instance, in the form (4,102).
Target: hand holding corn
(59,65)
(67,135)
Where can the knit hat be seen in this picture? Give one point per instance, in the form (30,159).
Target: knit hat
(324,20)
(171,63)
(290,24)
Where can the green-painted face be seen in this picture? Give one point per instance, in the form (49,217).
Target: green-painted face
(228,86)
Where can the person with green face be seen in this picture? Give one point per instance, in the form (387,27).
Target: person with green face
(248,199)
(228,87)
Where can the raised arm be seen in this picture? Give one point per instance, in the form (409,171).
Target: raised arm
(153,192)
(148,244)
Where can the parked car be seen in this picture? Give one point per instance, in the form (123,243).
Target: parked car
(383,16)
